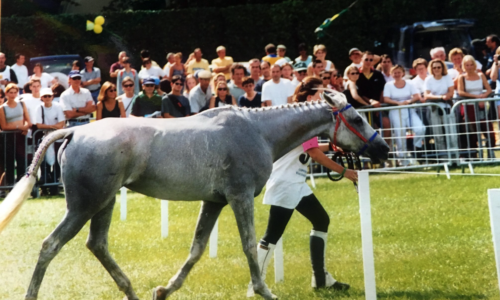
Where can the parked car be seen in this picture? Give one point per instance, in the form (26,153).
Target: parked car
(57,65)
(407,43)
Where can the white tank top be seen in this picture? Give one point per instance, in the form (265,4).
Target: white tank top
(474,87)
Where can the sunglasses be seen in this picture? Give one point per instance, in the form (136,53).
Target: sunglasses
(112,90)
(434,68)
(178,83)
(77,78)
(46,96)
(354,73)
(149,85)
(128,85)
(326,78)
(222,89)
(368,59)
(302,72)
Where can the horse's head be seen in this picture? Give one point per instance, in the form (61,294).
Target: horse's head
(351,132)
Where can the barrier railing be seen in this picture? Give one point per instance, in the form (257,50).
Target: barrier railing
(427,135)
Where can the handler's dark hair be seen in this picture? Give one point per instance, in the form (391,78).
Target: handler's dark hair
(307,88)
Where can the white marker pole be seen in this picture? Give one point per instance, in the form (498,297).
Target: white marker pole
(494,205)
(366,235)
(123,203)
(279,270)
(164,218)
(214,237)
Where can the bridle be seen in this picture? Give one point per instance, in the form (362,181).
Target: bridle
(339,117)
(352,159)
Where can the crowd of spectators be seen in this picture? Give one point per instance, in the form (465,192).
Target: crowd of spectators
(181,89)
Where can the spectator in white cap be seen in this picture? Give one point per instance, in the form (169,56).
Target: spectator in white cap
(91,77)
(223,63)
(199,96)
(281,54)
(50,116)
(300,71)
(77,102)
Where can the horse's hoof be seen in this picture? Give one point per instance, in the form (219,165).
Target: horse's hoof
(159,293)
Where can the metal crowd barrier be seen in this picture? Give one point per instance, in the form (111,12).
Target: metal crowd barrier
(426,135)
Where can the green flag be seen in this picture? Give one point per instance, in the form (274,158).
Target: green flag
(327,22)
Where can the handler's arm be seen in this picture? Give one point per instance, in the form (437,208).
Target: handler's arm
(318,156)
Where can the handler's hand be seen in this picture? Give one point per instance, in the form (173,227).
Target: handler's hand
(352,175)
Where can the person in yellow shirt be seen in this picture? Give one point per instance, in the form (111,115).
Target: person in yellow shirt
(197,63)
(223,63)
(271,56)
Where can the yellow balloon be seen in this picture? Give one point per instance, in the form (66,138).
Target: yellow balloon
(90,25)
(99,20)
(97,28)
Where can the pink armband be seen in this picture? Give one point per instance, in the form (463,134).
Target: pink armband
(312,143)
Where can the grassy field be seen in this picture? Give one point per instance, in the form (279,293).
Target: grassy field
(431,237)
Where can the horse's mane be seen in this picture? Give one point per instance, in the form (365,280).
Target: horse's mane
(339,101)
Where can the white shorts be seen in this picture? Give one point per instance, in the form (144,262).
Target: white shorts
(286,194)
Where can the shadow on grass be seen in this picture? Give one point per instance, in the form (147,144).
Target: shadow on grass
(414,295)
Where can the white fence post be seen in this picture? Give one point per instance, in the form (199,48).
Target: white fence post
(494,205)
(366,235)
(164,218)
(279,270)
(123,203)
(214,237)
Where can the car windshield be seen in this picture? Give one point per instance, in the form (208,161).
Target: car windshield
(63,65)
(425,40)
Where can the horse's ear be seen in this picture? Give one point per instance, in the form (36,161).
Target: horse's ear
(334,98)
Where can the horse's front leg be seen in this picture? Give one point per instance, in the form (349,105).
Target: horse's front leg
(209,213)
(243,207)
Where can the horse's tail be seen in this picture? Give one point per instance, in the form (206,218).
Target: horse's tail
(12,204)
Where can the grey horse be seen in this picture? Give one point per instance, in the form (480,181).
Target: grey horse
(222,156)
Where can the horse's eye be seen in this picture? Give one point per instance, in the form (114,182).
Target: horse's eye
(358,120)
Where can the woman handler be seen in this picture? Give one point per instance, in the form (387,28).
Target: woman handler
(286,191)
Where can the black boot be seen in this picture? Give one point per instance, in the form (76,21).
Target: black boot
(321,278)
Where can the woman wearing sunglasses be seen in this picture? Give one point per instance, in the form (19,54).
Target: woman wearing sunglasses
(351,91)
(439,88)
(222,96)
(109,106)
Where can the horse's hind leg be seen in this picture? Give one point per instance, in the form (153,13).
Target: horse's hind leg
(97,242)
(243,207)
(71,224)
(209,213)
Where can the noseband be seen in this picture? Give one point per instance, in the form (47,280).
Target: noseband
(352,159)
(337,115)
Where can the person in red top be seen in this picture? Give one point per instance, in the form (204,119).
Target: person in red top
(117,66)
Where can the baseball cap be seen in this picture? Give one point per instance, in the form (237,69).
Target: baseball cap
(281,47)
(46,91)
(300,66)
(354,50)
(205,74)
(74,73)
(149,80)
(88,58)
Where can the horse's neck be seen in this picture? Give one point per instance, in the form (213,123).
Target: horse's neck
(287,127)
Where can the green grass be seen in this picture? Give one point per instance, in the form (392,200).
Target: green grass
(431,235)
